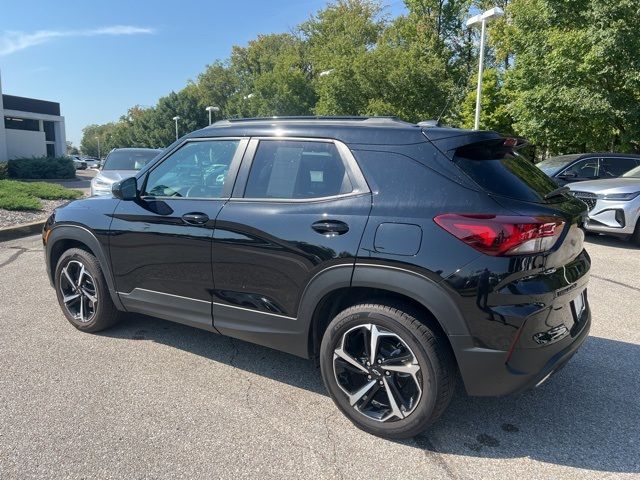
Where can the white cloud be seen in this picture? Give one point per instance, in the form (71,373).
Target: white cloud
(13,41)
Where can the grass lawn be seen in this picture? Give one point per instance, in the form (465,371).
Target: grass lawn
(15,195)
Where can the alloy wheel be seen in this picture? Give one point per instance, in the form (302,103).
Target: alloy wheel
(78,291)
(378,372)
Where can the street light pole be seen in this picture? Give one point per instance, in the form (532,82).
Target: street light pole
(476,123)
(175,119)
(482,18)
(212,109)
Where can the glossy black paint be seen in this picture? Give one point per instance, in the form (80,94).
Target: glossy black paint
(258,270)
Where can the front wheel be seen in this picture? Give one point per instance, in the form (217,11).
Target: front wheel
(82,292)
(636,234)
(389,373)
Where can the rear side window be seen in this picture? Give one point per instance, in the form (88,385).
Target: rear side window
(287,169)
(500,170)
(615,166)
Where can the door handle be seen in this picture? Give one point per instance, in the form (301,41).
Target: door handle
(330,227)
(195,218)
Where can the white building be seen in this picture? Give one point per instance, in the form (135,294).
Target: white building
(30,128)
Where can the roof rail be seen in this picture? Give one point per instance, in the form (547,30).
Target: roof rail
(372,119)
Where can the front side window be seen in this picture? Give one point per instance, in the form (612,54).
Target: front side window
(196,170)
(288,169)
(587,168)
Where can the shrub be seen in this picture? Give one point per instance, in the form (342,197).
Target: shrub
(41,167)
(4,173)
(25,195)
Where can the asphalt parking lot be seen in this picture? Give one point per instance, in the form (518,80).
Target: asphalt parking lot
(152,399)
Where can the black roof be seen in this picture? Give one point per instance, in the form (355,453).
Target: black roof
(31,105)
(348,129)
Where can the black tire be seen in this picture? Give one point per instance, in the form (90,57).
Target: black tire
(436,376)
(635,238)
(96,315)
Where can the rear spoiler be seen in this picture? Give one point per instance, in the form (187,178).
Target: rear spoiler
(448,140)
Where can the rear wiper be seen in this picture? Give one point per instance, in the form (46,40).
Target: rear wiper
(556,192)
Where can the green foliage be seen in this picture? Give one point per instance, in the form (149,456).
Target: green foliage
(41,168)
(575,82)
(4,170)
(16,195)
(494,105)
(565,74)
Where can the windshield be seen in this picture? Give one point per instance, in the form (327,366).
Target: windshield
(128,159)
(501,171)
(553,165)
(633,173)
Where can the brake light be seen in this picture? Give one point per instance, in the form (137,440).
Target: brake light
(499,235)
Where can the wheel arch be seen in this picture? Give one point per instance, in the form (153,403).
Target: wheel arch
(324,299)
(64,237)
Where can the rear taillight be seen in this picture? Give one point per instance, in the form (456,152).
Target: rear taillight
(503,234)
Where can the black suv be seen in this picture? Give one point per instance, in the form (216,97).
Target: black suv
(399,256)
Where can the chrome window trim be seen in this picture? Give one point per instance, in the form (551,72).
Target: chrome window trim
(360,185)
(234,167)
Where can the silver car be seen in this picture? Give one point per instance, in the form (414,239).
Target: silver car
(614,204)
(121,163)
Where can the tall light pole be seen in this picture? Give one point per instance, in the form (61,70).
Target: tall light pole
(98,139)
(212,109)
(482,18)
(175,119)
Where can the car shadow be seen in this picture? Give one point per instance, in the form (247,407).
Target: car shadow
(585,417)
(610,241)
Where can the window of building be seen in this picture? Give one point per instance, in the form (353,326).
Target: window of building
(297,169)
(51,150)
(49,131)
(15,123)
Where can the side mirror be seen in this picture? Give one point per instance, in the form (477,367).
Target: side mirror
(126,189)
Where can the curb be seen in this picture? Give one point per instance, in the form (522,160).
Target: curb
(23,230)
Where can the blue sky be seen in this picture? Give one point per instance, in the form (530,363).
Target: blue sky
(99,58)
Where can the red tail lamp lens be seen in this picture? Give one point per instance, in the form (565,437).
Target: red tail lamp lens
(503,234)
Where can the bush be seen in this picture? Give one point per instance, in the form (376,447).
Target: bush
(41,167)
(25,195)
(4,173)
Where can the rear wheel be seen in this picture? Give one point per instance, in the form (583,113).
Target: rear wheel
(389,373)
(82,292)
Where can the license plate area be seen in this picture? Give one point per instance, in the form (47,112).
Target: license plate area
(579,305)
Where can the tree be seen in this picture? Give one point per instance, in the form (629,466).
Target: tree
(575,82)
(494,104)
(71,150)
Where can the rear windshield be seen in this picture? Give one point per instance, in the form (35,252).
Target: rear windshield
(129,159)
(501,171)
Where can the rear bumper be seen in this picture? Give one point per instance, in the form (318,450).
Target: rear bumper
(486,372)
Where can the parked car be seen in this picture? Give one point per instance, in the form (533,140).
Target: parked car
(121,163)
(78,163)
(614,205)
(92,162)
(399,256)
(588,166)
